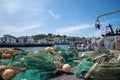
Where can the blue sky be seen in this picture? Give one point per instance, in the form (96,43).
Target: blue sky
(64,17)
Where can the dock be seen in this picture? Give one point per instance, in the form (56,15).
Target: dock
(25,45)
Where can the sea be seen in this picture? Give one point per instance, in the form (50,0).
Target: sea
(39,48)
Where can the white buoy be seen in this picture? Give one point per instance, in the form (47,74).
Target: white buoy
(66,68)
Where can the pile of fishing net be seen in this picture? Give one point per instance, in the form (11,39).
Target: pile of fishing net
(98,54)
(38,65)
(6,53)
(84,64)
(68,54)
(107,70)
(83,67)
(100,65)
(31,74)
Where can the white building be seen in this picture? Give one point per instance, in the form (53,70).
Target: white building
(25,39)
(109,42)
(1,40)
(29,39)
(42,41)
(8,39)
(93,40)
(21,39)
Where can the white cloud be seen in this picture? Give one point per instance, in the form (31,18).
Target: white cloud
(73,29)
(13,6)
(35,11)
(27,27)
(53,14)
(10,6)
(18,29)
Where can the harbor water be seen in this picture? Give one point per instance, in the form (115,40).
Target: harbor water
(39,48)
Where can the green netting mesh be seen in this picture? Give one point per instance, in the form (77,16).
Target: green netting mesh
(16,60)
(39,64)
(83,68)
(17,56)
(31,75)
(6,62)
(67,54)
(45,61)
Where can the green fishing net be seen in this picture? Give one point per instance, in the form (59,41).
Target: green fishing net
(38,65)
(31,74)
(44,61)
(83,67)
(67,54)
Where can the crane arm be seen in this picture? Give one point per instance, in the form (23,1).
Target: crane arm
(100,15)
(97,23)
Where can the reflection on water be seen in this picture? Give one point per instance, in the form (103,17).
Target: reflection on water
(31,48)
(39,48)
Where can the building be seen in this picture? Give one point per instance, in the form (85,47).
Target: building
(109,42)
(29,39)
(8,39)
(1,40)
(21,40)
(42,41)
(25,40)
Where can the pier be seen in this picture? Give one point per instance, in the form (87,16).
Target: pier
(25,45)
